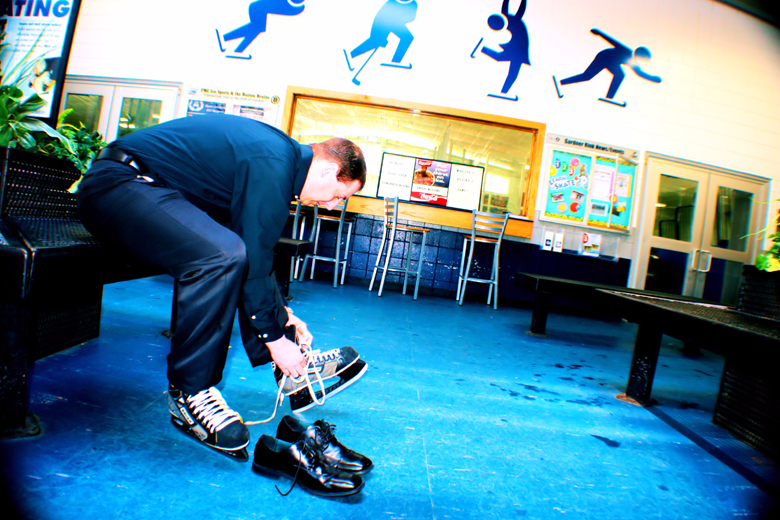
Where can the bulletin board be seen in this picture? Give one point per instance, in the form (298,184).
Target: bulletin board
(590,184)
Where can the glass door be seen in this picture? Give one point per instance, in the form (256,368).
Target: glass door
(695,238)
(115,110)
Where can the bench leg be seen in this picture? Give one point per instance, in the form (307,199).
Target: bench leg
(539,316)
(14,338)
(643,364)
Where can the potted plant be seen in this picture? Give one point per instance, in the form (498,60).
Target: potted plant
(759,292)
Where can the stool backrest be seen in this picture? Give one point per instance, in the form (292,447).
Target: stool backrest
(490,225)
(391,211)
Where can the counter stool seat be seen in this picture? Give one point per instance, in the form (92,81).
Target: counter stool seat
(486,228)
(391,226)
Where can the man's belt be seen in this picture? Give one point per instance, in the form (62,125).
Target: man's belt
(115,154)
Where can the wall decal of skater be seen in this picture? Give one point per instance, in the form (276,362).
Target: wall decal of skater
(612,60)
(515,51)
(392,17)
(258,17)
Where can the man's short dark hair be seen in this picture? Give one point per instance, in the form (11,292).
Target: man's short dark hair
(347,155)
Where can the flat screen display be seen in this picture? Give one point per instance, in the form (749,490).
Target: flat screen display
(428,181)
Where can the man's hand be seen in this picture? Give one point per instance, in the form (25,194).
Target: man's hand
(288,357)
(302,334)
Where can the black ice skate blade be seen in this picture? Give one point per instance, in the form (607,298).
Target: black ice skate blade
(240,455)
(276,474)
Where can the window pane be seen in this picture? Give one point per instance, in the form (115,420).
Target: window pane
(504,151)
(732,219)
(674,208)
(137,114)
(86,109)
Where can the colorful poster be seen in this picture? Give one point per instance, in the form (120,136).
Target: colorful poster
(611,194)
(440,183)
(568,186)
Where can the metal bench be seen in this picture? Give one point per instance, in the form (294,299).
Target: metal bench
(53,272)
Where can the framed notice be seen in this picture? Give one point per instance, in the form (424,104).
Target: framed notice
(440,183)
(42,33)
(590,184)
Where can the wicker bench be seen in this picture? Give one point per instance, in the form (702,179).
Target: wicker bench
(53,272)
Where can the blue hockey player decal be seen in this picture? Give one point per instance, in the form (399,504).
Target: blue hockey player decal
(612,60)
(392,18)
(515,51)
(258,17)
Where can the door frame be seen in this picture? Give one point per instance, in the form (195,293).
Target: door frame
(641,250)
(93,84)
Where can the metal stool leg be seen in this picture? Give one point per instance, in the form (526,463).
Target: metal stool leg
(387,261)
(419,265)
(378,259)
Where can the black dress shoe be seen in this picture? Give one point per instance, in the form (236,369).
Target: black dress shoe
(321,433)
(303,462)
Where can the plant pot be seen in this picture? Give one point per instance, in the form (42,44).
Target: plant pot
(759,293)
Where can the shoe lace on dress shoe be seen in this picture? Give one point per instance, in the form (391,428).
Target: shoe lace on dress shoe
(311,455)
(324,432)
(313,357)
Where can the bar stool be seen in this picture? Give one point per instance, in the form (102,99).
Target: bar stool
(337,259)
(491,228)
(297,234)
(391,224)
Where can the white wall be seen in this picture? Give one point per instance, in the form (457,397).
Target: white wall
(718,103)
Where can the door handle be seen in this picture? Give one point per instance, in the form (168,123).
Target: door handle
(694,265)
(709,262)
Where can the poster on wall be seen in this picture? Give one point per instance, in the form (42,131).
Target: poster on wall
(569,178)
(442,183)
(590,184)
(37,38)
(260,107)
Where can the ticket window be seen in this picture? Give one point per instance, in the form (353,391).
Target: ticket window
(509,150)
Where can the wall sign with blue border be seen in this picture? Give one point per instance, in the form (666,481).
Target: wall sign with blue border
(590,184)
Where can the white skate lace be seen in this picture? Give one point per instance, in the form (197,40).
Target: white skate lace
(313,358)
(211,409)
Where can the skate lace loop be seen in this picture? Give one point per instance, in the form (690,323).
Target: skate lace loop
(211,409)
(311,368)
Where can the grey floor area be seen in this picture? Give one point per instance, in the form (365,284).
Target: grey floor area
(463,413)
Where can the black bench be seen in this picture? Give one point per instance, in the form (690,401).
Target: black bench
(748,403)
(546,287)
(53,272)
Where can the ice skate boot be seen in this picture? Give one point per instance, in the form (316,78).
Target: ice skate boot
(327,373)
(207,417)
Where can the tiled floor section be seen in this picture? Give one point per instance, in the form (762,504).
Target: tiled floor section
(463,413)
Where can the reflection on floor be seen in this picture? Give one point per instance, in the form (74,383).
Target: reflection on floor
(462,412)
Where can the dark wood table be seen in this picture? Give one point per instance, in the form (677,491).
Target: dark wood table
(748,401)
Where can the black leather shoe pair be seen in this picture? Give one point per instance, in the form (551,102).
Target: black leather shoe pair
(321,433)
(311,455)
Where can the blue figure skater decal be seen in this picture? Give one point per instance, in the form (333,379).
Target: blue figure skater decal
(258,16)
(515,51)
(612,60)
(392,17)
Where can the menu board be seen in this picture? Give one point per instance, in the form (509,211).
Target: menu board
(441,183)
(595,189)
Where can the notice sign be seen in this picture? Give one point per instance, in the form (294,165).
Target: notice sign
(37,31)
(441,183)
(253,105)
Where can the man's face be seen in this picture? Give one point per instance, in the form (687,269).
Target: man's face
(323,188)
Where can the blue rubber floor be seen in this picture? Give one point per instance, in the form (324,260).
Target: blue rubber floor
(463,413)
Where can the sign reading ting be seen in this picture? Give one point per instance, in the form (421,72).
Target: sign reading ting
(441,183)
